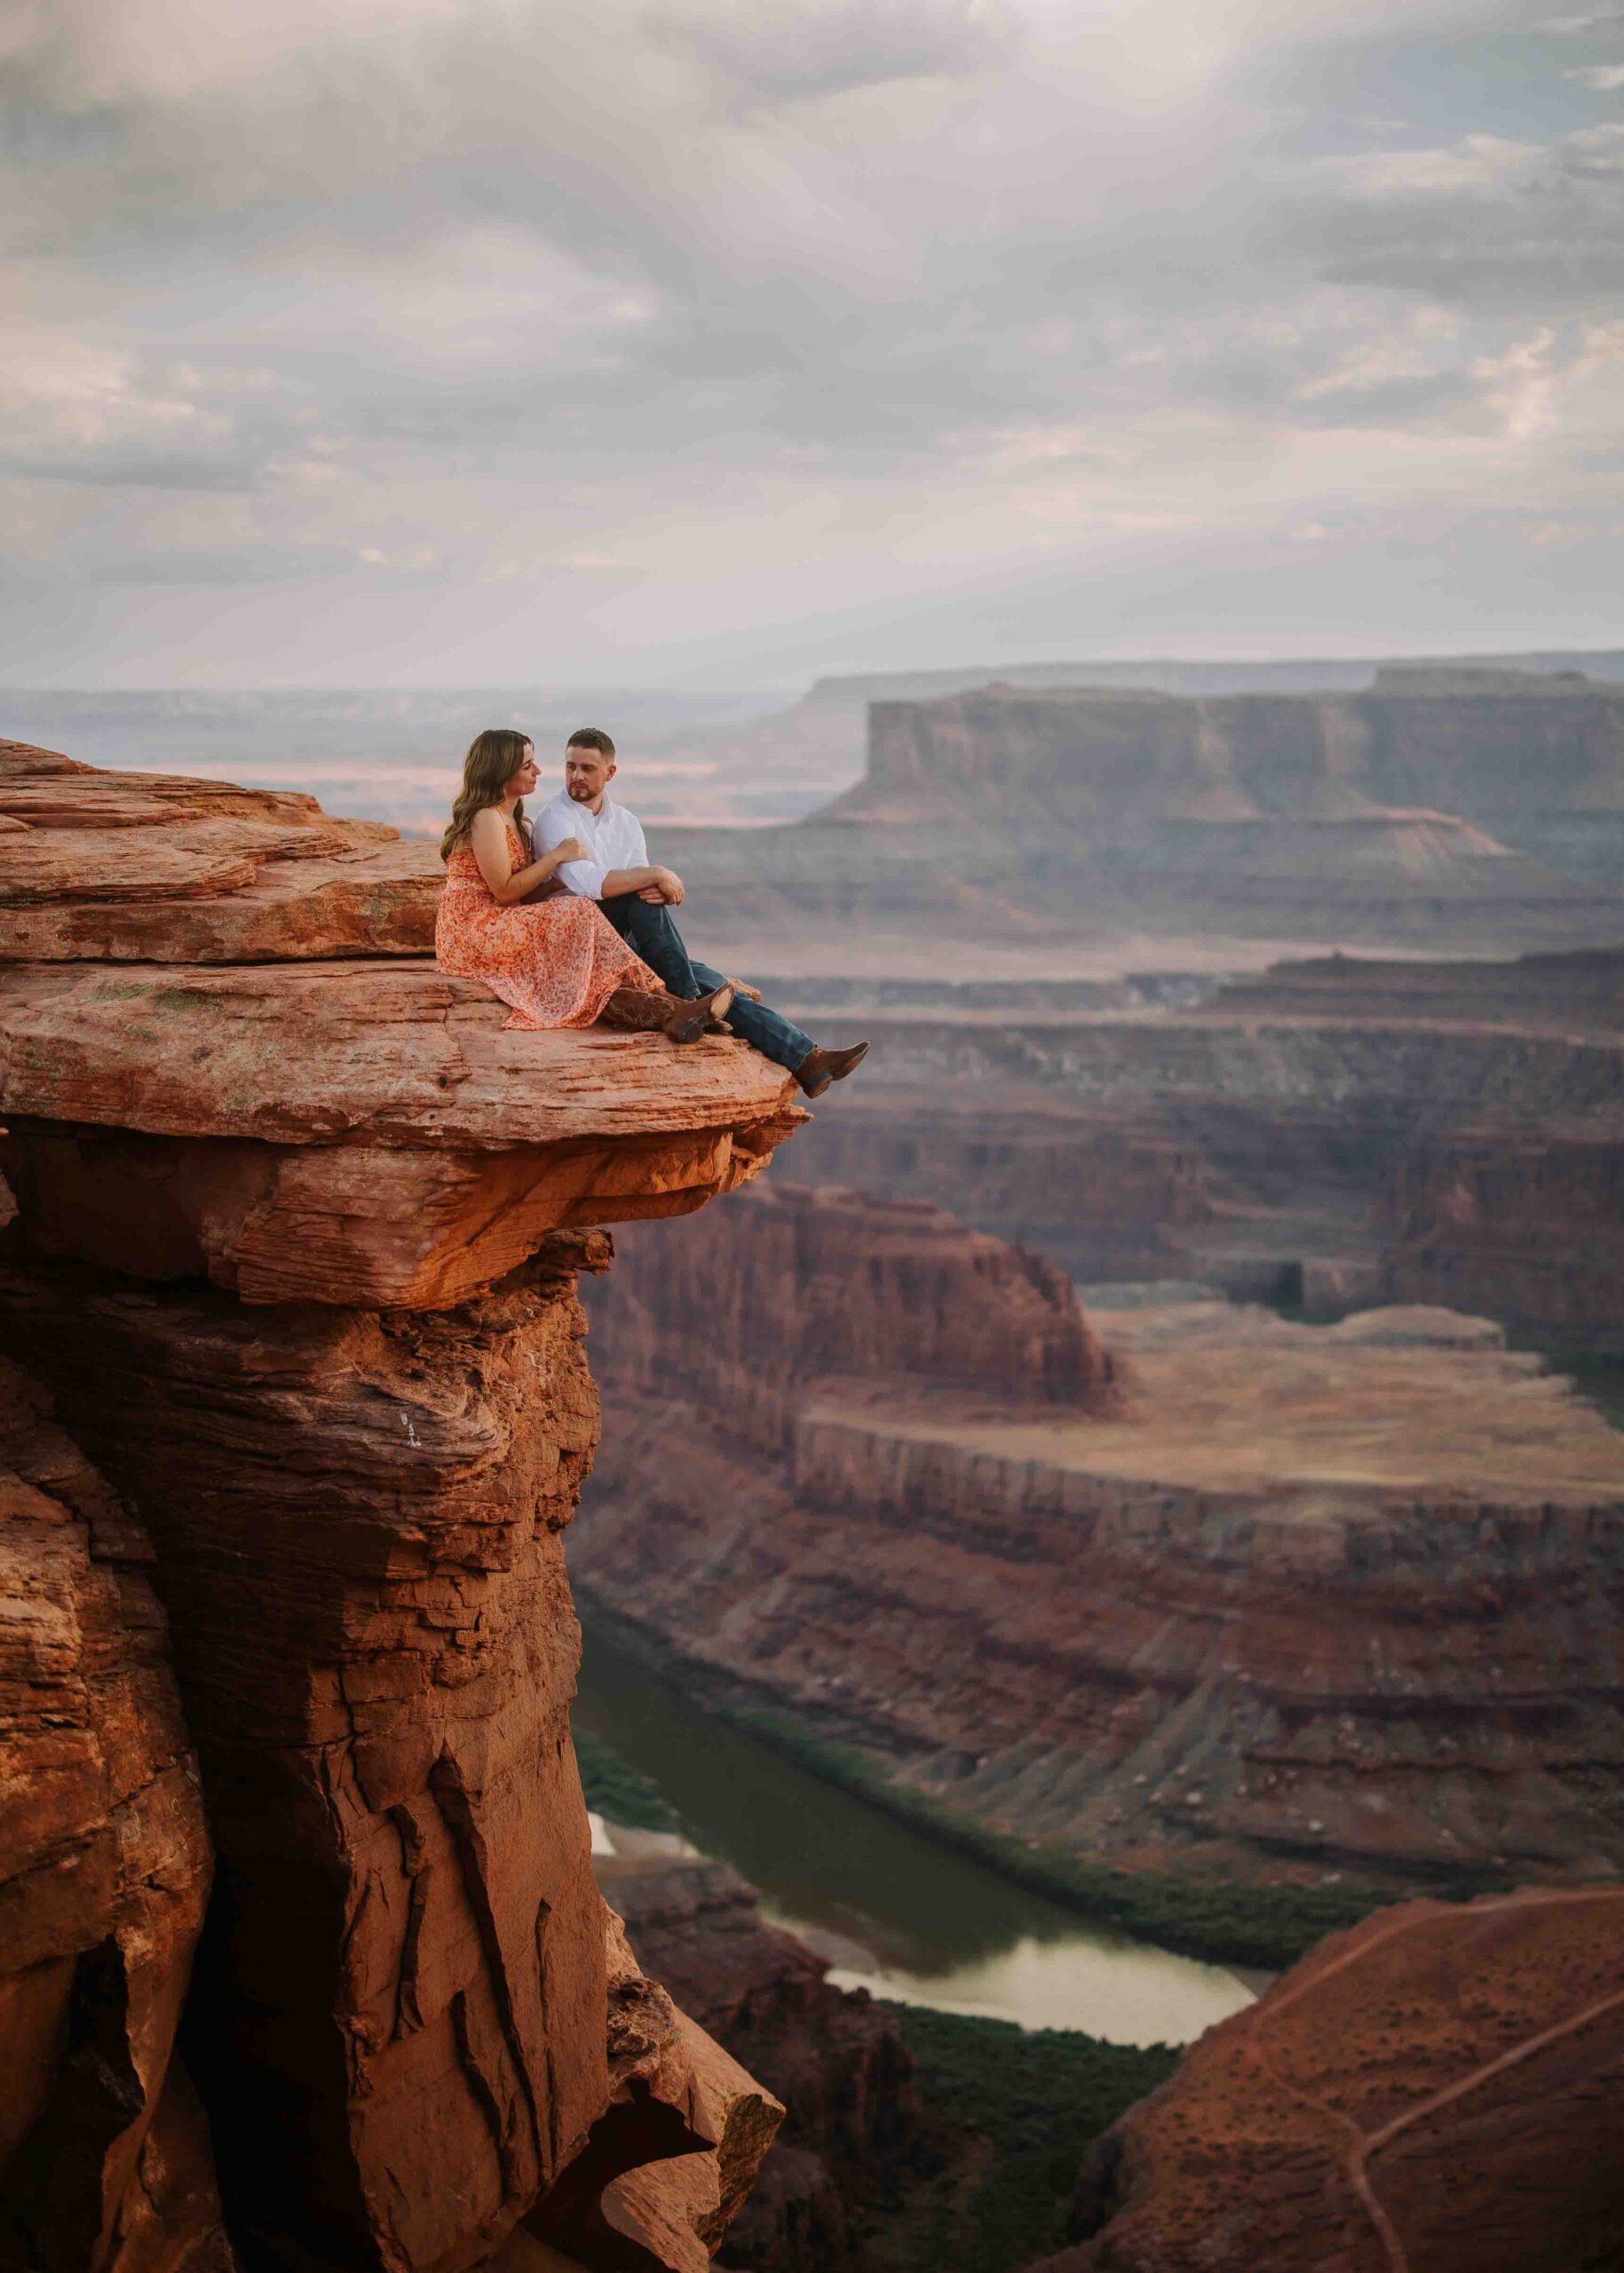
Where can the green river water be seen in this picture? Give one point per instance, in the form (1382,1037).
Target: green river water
(893,1911)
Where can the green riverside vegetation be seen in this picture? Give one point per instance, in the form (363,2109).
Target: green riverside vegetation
(1035,2098)
(614,1788)
(1225,1921)
(1216,1919)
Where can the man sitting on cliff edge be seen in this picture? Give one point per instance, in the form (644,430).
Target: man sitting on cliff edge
(637,899)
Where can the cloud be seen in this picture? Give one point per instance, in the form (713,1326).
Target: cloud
(818,48)
(769,308)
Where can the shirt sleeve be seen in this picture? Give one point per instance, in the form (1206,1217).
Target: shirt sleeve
(584,878)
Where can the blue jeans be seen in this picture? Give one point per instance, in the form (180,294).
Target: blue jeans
(647,929)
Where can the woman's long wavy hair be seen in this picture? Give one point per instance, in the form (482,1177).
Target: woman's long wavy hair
(493,758)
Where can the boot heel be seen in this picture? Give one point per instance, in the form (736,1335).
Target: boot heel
(701,1014)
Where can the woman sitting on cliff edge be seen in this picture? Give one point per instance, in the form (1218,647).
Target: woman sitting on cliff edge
(556,961)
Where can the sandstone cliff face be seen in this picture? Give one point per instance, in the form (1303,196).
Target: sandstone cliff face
(103,1883)
(815,1283)
(1438,2088)
(1322,1605)
(132,867)
(1530,1228)
(296,1250)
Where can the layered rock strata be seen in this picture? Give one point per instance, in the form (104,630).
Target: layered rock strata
(1326,1133)
(296,1249)
(1322,1605)
(105,2160)
(133,868)
(1437,2089)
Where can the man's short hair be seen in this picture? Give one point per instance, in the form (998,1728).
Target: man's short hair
(592,738)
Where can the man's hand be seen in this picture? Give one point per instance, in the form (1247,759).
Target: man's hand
(744,986)
(665,891)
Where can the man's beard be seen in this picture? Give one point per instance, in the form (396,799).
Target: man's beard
(579,792)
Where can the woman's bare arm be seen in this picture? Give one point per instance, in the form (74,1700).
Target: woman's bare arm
(487,840)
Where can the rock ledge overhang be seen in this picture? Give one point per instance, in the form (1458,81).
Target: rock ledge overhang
(354,1128)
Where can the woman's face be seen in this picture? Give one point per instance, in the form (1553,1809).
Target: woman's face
(520,784)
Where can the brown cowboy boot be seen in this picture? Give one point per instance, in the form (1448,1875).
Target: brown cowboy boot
(639,1009)
(819,1067)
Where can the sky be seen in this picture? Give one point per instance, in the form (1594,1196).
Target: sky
(433,342)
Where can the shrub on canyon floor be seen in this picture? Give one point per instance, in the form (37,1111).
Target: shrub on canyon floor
(1028,2102)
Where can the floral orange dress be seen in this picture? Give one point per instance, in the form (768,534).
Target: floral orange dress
(556,961)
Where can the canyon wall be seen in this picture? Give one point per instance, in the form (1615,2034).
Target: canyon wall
(1327,1132)
(295,1254)
(832,1283)
(1531,760)
(1318,1607)
(105,1877)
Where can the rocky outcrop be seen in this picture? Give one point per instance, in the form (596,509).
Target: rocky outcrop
(1528,1227)
(103,1884)
(158,867)
(320,1130)
(835,2060)
(295,1251)
(1320,1606)
(1437,2089)
(814,1284)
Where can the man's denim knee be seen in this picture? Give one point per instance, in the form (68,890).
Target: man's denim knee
(647,928)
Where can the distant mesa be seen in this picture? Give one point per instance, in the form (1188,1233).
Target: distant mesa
(1477,805)
(1478,678)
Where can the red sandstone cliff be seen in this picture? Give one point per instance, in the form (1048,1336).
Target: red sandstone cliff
(295,1251)
(832,1284)
(103,1883)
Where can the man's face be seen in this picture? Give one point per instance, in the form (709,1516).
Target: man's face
(587,773)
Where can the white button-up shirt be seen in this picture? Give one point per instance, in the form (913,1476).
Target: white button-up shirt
(613,837)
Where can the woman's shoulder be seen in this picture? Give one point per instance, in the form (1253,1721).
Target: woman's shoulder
(488,821)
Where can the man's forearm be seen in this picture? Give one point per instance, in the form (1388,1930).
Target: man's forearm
(621,880)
